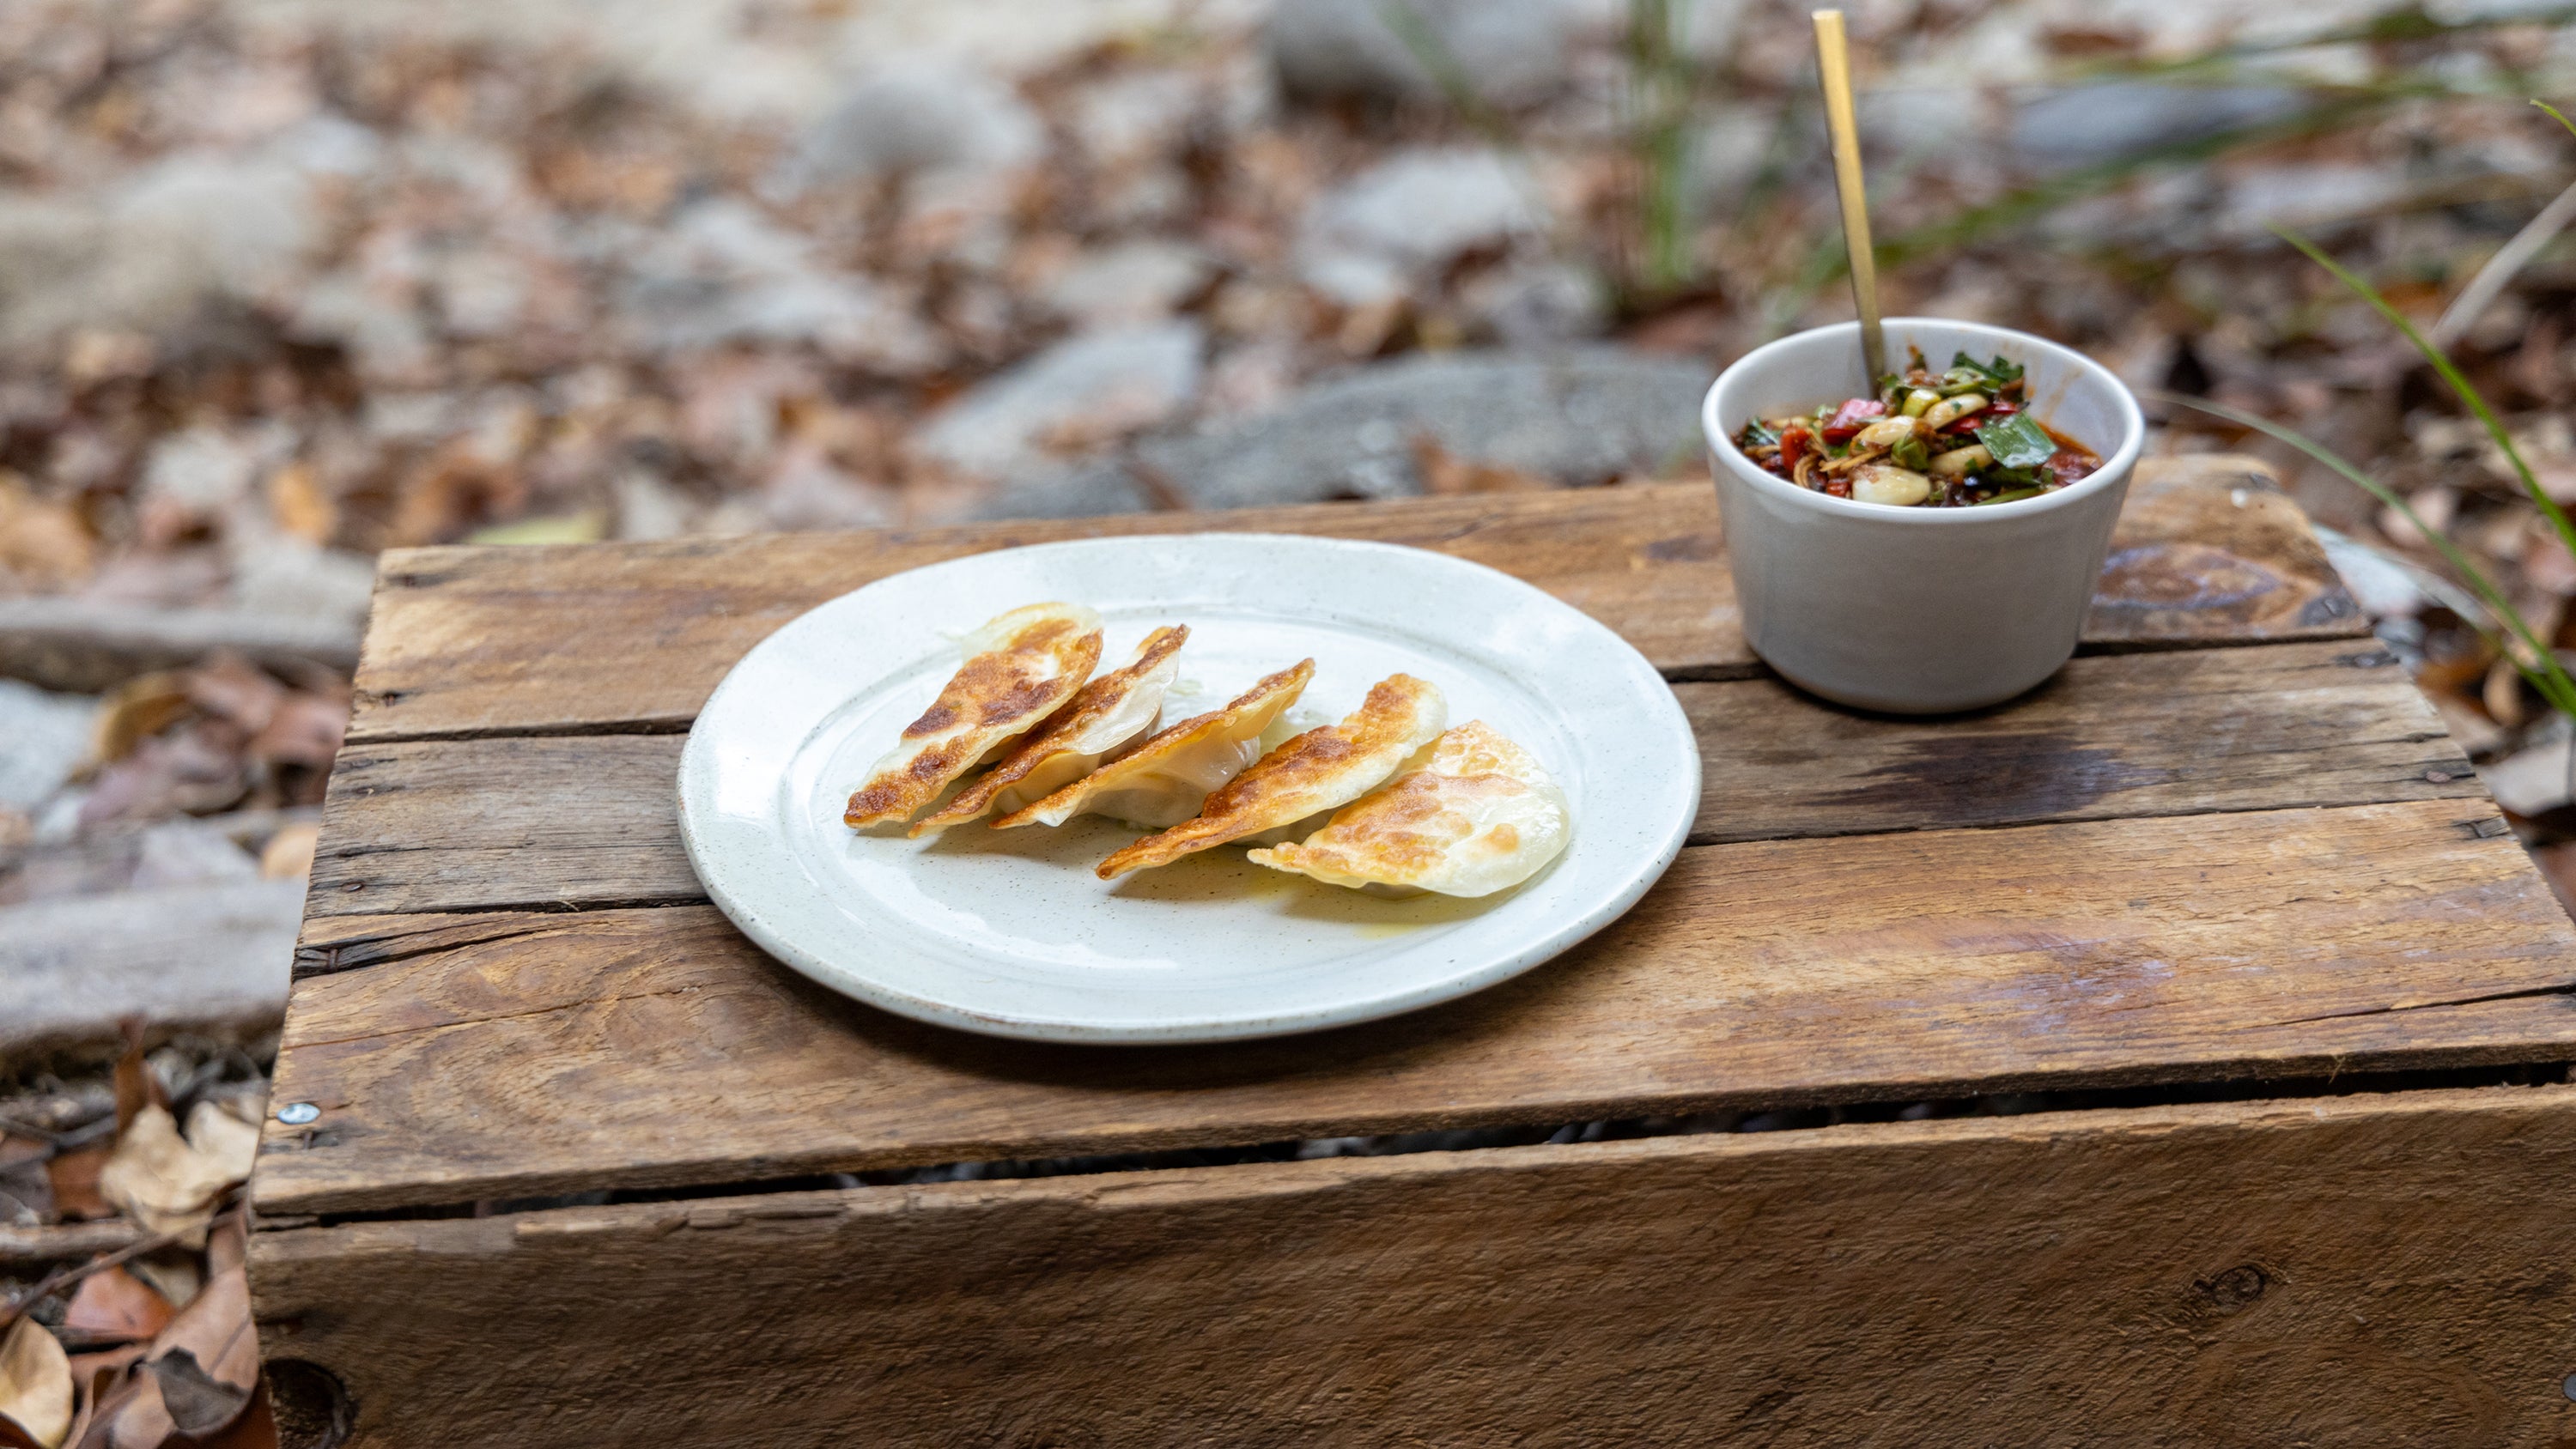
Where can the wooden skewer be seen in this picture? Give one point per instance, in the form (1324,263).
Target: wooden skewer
(1833,65)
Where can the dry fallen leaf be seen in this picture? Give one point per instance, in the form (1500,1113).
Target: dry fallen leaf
(74,1179)
(304,730)
(289,853)
(114,1306)
(174,1273)
(233,689)
(207,1360)
(41,542)
(136,1086)
(35,1383)
(135,711)
(297,502)
(169,1183)
(131,1415)
(255,1429)
(1446,474)
(100,1380)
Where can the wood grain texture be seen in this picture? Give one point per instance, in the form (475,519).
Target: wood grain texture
(499,1055)
(629,635)
(2339,1274)
(2173,733)
(483,824)
(2208,547)
(634,636)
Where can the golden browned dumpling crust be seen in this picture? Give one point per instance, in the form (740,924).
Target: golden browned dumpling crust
(1068,732)
(1317,770)
(1174,771)
(1479,816)
(1020,667)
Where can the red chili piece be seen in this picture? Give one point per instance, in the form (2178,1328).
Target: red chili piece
(1851,417)
(1999,408)
(1793,446)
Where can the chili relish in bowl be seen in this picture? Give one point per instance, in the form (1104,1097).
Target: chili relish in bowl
(1951,439)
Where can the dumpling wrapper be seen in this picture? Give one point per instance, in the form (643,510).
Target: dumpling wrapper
(1020,667)
(1165,780)
(1315,771)
(1112,712)
(1478,817)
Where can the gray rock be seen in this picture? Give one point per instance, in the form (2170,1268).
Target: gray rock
(808,492)
(1513,52)
(922,119)
(200,471)
(48,736)
(649,507)
(281,576)
(48,252)
(1578,417)
(1407,217)
(1539,303)
(725,273)
(2533,781)
(188,853)
(2306,196)
(383,335)
(1138,281)
(2083,125)
(1086,389)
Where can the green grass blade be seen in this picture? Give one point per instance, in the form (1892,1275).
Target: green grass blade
(2451,374)
(2542,668)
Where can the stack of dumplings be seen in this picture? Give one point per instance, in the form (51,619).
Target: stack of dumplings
(1390,799)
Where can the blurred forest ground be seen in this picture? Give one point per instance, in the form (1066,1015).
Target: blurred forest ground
(283,283)
(287,282)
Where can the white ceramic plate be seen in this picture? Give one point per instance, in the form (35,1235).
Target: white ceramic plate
(1008,932)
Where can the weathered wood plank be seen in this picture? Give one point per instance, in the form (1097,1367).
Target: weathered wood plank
(2208,547)
(528,639)
(2339,1273)
(631,636)
(507,1055)
(2111,736)
(477,824)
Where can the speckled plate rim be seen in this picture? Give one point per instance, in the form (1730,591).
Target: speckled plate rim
(1639,771)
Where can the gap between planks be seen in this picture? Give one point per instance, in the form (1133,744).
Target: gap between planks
(635,1049)
(570,823)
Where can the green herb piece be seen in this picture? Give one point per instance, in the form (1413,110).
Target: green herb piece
(1910,454)
(2009,495)
(2017,441)
(1995,374)
(1757,434)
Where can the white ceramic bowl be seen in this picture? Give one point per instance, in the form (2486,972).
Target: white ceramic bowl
(1916,610)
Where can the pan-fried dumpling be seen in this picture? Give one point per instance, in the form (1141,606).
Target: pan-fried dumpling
(1315,771)
(1478,817)
(1165,780)
(1111,714)
(1020,667)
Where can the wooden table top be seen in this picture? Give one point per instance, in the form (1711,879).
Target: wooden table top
(2230,840)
